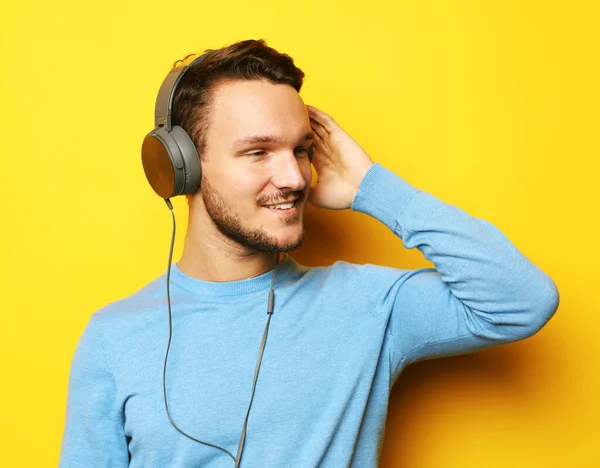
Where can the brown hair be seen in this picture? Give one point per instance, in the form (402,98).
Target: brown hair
(244,60)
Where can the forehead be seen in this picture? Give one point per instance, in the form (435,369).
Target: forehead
(242,107)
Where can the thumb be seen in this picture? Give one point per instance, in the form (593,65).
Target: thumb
(316,197)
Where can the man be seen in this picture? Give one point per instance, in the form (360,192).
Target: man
(338,337)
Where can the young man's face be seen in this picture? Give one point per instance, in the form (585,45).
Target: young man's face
(255,171)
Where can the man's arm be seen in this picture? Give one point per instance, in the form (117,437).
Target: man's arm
(94,426)
(482,292)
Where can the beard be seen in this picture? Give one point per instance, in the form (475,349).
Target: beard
(231,226)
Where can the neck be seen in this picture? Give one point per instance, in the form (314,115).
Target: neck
(210,256)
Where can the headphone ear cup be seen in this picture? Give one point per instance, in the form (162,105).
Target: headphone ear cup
(192,170)
(171,162)
(158,163)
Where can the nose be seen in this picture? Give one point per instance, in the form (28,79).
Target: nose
(287,172)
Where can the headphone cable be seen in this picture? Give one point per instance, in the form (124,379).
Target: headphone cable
(270,307)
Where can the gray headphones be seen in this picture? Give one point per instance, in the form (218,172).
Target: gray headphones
(169,156)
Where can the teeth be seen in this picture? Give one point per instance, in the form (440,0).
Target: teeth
(283,206)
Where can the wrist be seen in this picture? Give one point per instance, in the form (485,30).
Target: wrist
(360,173)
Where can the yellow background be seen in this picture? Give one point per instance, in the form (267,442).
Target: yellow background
(491,106)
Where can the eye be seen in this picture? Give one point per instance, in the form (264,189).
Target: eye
(301,151)
(257,153)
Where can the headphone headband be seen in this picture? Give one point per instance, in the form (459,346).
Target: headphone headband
(166,94)
(169,156)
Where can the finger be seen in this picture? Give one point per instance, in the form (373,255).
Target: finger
(316,115)
(322,118)
(321,139)
(318,129)
(318,146)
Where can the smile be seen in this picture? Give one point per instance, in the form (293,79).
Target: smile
(282,206)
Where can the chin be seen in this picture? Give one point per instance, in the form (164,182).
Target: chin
(290,242)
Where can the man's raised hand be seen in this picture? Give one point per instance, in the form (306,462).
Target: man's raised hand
(340,162)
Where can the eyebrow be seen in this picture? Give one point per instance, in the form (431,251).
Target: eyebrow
(253,139)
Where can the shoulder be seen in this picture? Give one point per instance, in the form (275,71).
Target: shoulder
(355,272)
(368,279)
(136,310)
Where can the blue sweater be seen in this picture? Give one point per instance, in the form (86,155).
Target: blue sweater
(339,337)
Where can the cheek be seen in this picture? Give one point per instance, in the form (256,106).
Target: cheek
(232,182)
(243,190)
(308,174)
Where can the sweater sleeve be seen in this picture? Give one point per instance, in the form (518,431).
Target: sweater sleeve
(482,292)
(93,433)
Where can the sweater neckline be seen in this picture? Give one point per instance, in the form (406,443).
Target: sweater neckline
(231,288)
